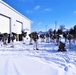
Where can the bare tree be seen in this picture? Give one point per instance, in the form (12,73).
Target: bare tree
(62,27)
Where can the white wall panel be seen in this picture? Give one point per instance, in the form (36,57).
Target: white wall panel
(18,27)
(4,24)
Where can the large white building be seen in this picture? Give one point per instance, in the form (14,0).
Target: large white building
(13,21)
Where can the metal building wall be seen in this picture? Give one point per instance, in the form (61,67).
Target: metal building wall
(14,17)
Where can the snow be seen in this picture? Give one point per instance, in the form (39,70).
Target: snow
(23,60)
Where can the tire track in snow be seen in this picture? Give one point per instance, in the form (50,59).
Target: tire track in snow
(6,67)
(63,62)
(16,70)
(10,67)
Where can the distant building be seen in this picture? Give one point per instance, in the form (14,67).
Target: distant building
(13,21)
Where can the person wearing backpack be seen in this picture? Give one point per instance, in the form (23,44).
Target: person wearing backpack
(35,39)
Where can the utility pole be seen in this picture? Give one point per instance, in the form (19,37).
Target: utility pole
(55,27)
(55,24)
(46,27)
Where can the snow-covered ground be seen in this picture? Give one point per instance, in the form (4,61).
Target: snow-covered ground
(23,60)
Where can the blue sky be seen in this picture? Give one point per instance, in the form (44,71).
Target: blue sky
(44,13)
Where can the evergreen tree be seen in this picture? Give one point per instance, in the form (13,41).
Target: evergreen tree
(59,31)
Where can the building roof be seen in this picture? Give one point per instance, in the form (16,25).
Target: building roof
(13,9)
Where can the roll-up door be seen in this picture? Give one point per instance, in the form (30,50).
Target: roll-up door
(19,29)
(4,24)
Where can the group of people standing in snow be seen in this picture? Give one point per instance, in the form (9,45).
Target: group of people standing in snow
(33,37)
(6,38)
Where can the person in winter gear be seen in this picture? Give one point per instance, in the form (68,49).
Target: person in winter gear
(57,39)
(1,43)
(35,39)
(47,38)
(23,36)
(13,38)
(5,38)
(30,35)
(61,47)
(42,36)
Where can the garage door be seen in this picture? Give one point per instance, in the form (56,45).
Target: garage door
(19,27)
(4,24)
